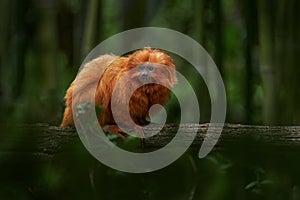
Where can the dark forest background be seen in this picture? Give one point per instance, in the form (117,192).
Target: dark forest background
(254,43)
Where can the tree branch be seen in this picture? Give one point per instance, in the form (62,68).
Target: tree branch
(41,139)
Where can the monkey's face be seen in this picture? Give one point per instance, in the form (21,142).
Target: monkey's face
(151,66)
(148,73)
(145,72)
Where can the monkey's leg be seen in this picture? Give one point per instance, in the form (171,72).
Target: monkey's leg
(114,129)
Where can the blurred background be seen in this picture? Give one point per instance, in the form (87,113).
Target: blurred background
(255,45)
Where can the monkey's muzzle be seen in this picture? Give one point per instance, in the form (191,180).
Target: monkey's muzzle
(145,71)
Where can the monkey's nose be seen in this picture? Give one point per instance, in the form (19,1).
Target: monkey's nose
(144,73)
(144,77)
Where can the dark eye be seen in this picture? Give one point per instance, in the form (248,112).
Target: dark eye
(141,68)
(150,68)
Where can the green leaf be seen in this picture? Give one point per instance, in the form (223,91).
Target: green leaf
(251,185)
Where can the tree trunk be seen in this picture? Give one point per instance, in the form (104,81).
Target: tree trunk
(250,10)
(91,27)
(266,62)
(42,83)
(279,51)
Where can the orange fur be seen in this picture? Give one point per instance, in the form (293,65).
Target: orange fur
(113,68)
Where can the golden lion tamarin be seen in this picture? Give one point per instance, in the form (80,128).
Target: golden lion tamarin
(148,63)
